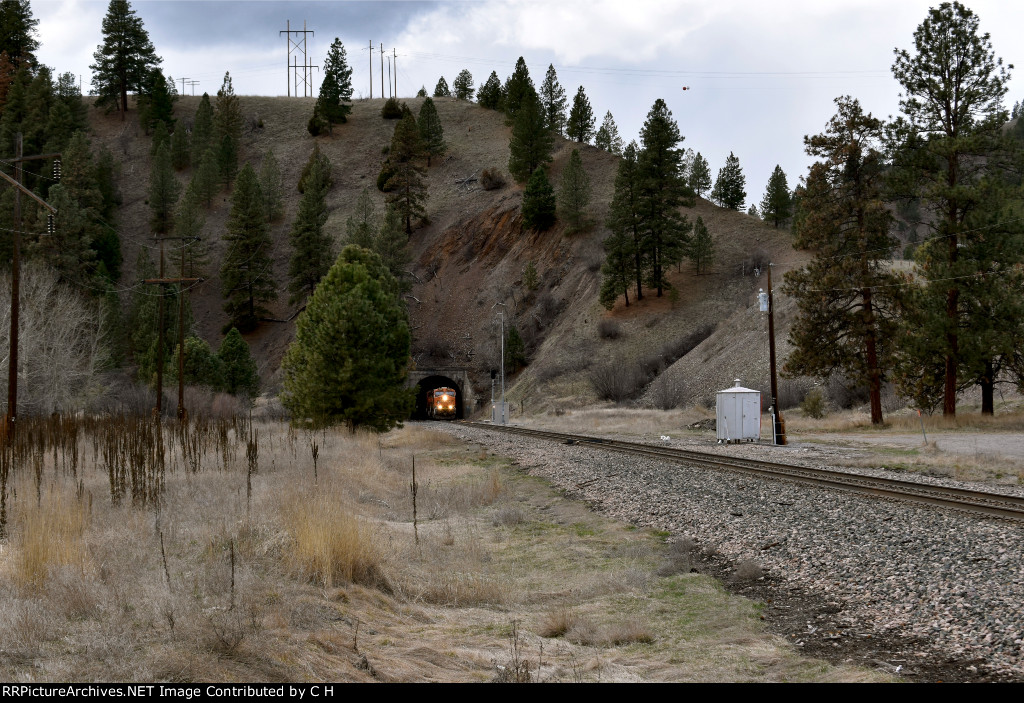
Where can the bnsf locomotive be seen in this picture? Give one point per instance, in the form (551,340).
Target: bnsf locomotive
(441,404)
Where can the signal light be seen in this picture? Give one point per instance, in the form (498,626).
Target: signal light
(51,227)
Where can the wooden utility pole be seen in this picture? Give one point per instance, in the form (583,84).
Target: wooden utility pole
(12,358)
(371,70)
(780,424)
(193,84)
(162,281)
(382,70)
(394,60)
(183,84)
(389,78)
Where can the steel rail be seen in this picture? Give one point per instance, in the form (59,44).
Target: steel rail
(972,501)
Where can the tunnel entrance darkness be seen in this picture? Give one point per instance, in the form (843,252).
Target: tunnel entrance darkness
(426,386)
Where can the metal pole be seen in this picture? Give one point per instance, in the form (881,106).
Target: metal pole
(780,424)
(503,413)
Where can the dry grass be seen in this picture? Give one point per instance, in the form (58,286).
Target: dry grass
(49,536)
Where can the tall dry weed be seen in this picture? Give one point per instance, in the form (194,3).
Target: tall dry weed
(49,536)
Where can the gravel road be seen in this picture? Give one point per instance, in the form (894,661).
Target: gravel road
(947,588)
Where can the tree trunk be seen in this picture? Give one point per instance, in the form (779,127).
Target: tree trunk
(988,386)
(874,373)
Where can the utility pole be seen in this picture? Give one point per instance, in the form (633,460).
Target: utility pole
(389,78)
(183,84)
(395,61)
(12,358)
(371,70)
(162,281)
(382,70)
(298,45)
(780,424)
(193,84)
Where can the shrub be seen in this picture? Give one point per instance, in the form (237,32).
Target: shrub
(667,394)
(814,404)
(617,383)
(609,329)
(748,570)
(392,110)
(491,179)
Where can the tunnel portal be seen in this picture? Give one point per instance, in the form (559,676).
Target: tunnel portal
(427,386)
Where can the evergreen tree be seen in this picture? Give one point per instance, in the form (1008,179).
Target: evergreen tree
(359,228)
(202,129)
(163,192)
(431,131)
(607,137)
(247,276)
(227,130)
(391,244)
(312,247)
(699,178)
(515,350)
(161,137)
(441,90)
(336,88)
(662,192)
(206,178)
(530,278)
(156,100)
(950,142)
(241,376)
(538,202)
(619,270)
(188,229)
(728,191)
(422,92)
(702,247)
(463,85)
(181,150)
(777,204)
(315,156)
(270,187)
(490,95)
(626,221)
(124,59)
(574,193)
(752,211)
(406,188)
(17,33)
(201,365)
(517,88)
(846,295)
(531,142)
(350,358)
(580,127)
(552,98)
(144,322)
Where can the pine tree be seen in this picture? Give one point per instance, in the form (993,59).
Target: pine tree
(17,33)
(161,137)
(845,296)
(349,361)
(517,88)
(700,175)
(619,269)
(181,150)
(202,366)
(156,100)
(359,228)
(202,129)
(247,276)
(607,137)
(702,247)
(163,192)
(580,127)
(422,92)
(406,188)
(441,90)
(240,374)
(626,220)
(515,350)
(336,87)
(206,178)
(227,130)
(391,244)
(777,204)
(538,202)
(490,95)
(552,98)
(124,59)
(315,156)
(463,85)
(950,139)
(531,142)
(270,187)
(188,230)
(431,131)
(728,191)
(312,247)
(574,193)
(662,192)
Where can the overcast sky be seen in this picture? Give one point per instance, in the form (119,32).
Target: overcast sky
(760,75)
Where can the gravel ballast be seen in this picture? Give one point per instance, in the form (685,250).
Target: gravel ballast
(950,583)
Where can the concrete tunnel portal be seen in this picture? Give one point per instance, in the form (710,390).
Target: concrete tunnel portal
(427,385)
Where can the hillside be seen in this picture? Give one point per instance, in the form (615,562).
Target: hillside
(471,256)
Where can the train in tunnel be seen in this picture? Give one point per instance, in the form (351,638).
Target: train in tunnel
(441,404)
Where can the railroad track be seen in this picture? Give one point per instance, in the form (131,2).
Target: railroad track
(975,502)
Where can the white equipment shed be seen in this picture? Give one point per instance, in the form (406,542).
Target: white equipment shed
(738,414)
